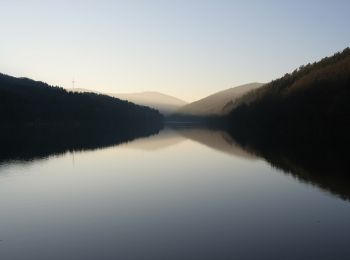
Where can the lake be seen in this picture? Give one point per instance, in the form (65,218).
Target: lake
(180,194)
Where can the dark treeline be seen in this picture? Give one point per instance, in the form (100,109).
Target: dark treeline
(310,107)
(27,102)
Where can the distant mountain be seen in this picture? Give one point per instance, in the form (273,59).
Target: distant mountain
(27,102)
(219,103)
(163,103)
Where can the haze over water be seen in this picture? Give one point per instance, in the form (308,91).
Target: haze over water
(181,194)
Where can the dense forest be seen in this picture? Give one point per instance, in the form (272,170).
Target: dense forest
(27,102)
(309,105)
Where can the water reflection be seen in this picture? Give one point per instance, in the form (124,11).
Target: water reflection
(322,167)
(319,165)
(164,139)
(27,144)
(167,196)
(216,139)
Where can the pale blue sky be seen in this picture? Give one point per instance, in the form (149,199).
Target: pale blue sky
(184,48)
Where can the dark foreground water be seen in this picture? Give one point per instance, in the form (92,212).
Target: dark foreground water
(181,194)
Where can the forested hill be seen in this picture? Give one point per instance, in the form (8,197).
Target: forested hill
(28,102)
(311,104)
(301,123)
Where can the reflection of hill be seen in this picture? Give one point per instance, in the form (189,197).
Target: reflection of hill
(166,138)
(320,164)
(31,143)
(218,140)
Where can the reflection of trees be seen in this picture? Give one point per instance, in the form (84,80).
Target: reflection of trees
(31,143)
(324,165)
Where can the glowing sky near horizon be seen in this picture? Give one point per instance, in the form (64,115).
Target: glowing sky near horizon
(188,49)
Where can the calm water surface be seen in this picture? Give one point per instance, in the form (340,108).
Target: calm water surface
(188,194)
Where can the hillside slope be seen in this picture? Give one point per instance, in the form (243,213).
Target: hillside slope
(218,103)
(310,105)
(25,101)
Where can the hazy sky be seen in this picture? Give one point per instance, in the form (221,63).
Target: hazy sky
(184,48)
